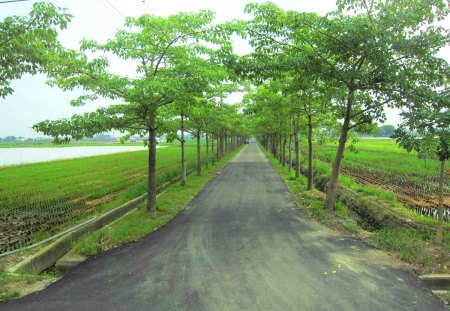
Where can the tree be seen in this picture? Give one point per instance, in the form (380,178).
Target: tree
(385,131)
(168,55)
(426,129)
(25,42)
(382,55)
(198,117)
(266,102)
(194,109)
(315,97)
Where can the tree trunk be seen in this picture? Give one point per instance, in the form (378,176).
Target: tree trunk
(274,146)
(225,145)
(290,153)
(297,150)
(283,153)
(212,150)
(332,183)
(222,145)
(199,157)
(310,154)
(183,153)
(280,149)
(218,148)
(440,228)
(207,151)
(151,196)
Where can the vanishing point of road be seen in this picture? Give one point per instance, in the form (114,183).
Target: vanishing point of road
(241,244)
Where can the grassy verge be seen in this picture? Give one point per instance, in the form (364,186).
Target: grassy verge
(415,248)
(139,222)
(16,285)
(313,201)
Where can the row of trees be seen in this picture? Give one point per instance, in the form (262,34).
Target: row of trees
(177,84)
(309,72)
(343,70)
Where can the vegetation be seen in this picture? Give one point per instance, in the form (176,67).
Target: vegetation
(385,131)
(413,246)
(384,163)
(16,285)
(37,199)
(353,65)
(361,56)
(173,64)
(431,121)
(25,42)
(309,77)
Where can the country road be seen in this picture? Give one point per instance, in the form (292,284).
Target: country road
(241,244)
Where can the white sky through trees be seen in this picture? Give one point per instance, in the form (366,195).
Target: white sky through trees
(34,101)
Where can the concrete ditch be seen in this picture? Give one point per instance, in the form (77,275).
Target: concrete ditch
(50,254)
(437,282)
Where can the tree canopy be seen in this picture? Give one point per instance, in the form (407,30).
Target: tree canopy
(27,41)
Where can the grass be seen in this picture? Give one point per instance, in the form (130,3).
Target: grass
(384,151)
(408,244)
(377,193)
(415,247)
(41,198)
(383,161)
(15,285)
(139,222)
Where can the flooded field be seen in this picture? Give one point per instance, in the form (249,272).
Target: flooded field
(14,156)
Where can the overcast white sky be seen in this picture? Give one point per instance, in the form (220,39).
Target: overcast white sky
(34,101)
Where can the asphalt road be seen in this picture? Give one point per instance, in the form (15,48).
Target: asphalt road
(242,244)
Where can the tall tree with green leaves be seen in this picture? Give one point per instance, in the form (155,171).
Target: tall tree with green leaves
(26,41)
(314,96)
(198,116)
(168,54)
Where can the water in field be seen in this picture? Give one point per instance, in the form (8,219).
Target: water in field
(9,156)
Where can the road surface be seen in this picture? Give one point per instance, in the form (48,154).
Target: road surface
(242,244)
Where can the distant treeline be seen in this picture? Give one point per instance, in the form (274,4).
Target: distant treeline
(382,131)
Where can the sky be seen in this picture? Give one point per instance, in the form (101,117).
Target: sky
(34,101)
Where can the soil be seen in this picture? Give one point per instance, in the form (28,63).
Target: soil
(103,200)
(406,196)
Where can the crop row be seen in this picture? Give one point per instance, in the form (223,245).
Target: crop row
(382,163)
(392,168)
